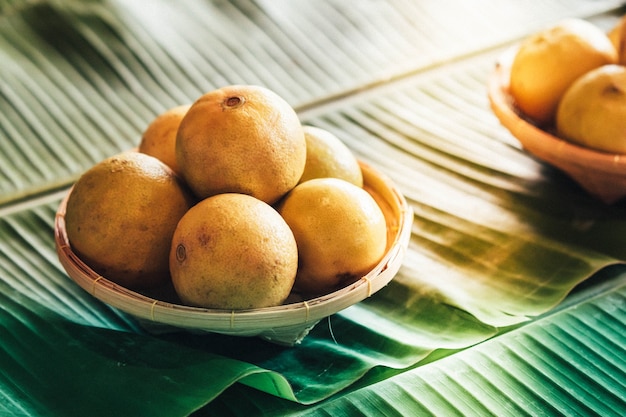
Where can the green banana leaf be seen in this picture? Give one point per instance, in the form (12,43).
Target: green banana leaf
(498,239)
(551,366)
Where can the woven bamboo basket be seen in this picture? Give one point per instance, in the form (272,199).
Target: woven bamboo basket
(601,174)
(285,324)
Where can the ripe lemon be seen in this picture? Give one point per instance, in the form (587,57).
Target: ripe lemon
(550,60)
(340,231)
(233,251)
(328,156)
(592,112)
(121,215)
(241,139)
(159,138)
(617,35)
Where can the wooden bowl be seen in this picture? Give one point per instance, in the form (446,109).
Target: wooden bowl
(601,174)
(285,324)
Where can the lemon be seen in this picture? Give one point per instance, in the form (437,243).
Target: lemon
(241,139)
(233,251)
(121,215)
(328,156)
(550,60)
(339,229)
(592,112)
(617,35)
(159,137)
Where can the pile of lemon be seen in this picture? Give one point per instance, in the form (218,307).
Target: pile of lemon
(571,78)
(230,201)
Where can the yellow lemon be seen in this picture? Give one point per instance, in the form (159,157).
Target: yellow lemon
(121,215)
(241,139)
(328,156)
(549,61)
(233,251)
(617,35)
(592,112)
(159,138)
(340,231)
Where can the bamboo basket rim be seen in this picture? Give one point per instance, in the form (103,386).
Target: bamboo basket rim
(295,318)
(594,170)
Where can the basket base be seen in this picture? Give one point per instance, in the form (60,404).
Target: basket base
(286,336)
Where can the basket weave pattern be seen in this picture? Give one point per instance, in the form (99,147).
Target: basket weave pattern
(601,174)
(285,324)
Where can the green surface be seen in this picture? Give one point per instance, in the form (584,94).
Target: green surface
(568,362)
(481,319)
